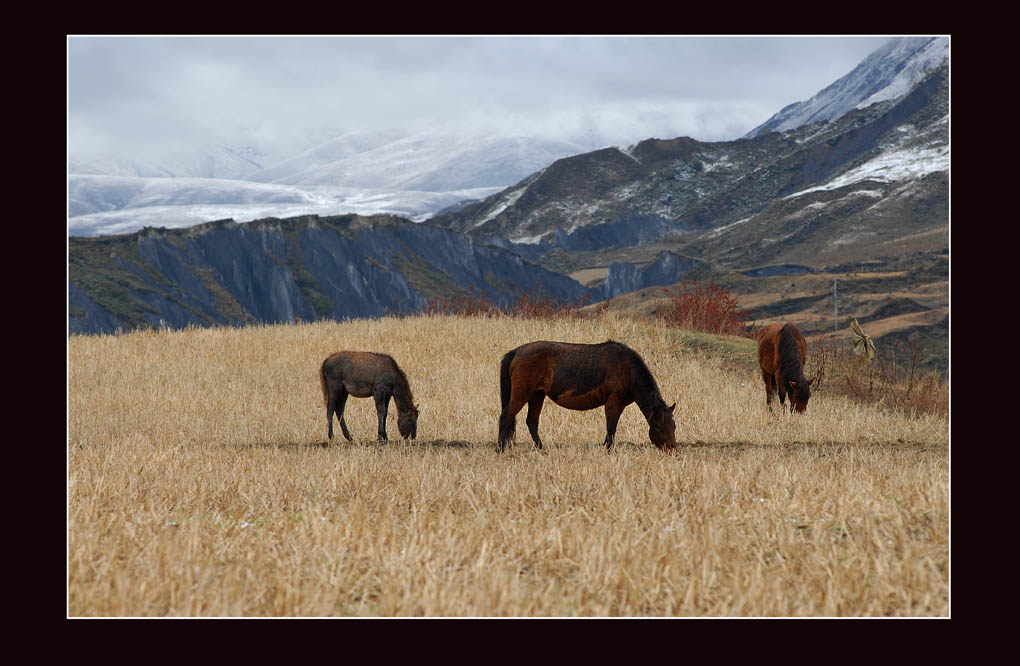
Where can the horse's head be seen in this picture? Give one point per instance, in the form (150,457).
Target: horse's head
(407,423)
(800,393)
(661,427)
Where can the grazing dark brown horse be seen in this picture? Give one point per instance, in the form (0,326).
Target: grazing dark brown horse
(781,355)
(580,377)
(364,374)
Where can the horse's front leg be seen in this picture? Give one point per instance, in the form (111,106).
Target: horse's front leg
(382,404)
(614,407)
(770,388)
(782,395)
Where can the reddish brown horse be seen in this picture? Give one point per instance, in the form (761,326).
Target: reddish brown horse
(364,374)
(781,355)
(580,377)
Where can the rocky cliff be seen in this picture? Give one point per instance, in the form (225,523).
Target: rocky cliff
(273,270)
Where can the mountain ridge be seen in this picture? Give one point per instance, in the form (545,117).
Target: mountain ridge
(309,267)
(686,193)
(887,73)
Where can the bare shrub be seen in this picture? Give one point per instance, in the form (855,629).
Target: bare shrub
(884,380)
(710,309)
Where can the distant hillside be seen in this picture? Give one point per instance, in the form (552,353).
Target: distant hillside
(848,190)
(899,303)
(276,270)
(273,270)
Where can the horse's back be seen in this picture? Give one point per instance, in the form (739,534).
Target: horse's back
(768,351)
(568,354)
(360,359)
(801,342)
(574,375)
(532,363)
(798,339)
(769,339)
(358,371)
(769,345)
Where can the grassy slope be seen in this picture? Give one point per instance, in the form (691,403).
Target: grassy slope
(904,299)
(197,485)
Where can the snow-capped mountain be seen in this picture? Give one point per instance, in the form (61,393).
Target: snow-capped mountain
(889,72)
(99,205)
(231,162)
(365,172)
(434,160)
(416,174)
(821,194)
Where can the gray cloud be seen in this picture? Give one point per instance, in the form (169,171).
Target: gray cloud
(146,94)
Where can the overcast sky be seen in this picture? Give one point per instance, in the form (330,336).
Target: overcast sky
(129,94)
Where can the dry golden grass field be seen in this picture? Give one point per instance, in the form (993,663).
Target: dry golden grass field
(198,484)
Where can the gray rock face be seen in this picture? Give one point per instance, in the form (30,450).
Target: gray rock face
(92,318)
(272,271)
(625,277)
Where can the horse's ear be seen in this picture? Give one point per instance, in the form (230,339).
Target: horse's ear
(672,407)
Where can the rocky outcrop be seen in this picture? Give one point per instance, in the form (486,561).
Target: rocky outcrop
(624,277)
(270,271)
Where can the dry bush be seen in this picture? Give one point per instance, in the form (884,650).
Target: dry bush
(199,485)
(881,381)
(531,303)
(710,309)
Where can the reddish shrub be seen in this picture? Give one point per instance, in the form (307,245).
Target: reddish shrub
(710,309)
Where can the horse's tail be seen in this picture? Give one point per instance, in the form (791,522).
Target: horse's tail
(504,378)
(322,383)
(506,421)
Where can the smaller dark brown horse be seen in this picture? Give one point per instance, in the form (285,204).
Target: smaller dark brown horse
(364,374)
(581,377)
(781,355)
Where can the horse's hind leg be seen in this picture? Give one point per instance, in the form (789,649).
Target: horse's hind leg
(534,411)
(508,421)
(330,409)
(338,404)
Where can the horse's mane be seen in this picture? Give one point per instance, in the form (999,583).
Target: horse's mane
(403,385)
(789,356)
(643,378)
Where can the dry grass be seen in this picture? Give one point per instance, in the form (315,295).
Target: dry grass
(198,486)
